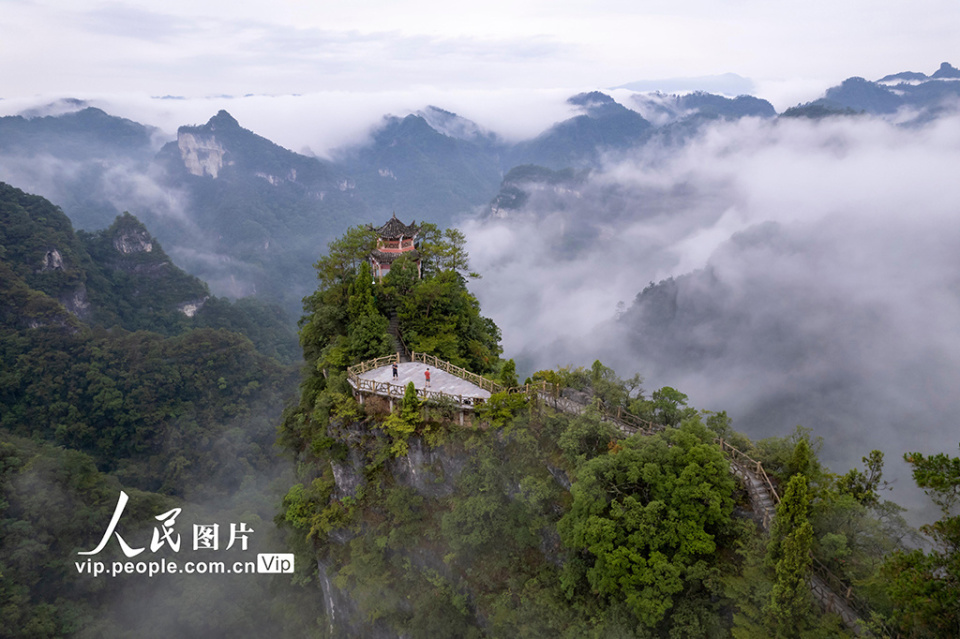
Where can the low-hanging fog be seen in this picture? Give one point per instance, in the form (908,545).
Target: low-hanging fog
(816,279)
(321,122)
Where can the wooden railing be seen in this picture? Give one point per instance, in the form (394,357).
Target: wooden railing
(827,591)
(631,421)
(553,395)
(386,389)
(839,591)
(359,369)
(741,458)
(462,373)
(833,593)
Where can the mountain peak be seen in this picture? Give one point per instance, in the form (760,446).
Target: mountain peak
(598,105)
(946,70)
(129,235)
(223,120)
(592,98)
(452,125)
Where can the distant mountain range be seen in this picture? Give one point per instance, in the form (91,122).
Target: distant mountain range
(250,217)
(919,96)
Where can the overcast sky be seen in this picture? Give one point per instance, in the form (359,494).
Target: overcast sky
(483,55)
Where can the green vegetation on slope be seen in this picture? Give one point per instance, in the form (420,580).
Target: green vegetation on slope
(106,385)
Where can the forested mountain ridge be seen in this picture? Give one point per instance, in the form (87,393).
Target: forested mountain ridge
(111,378)
(926,96)
(77,134)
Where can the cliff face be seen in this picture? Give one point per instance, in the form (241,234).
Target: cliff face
(442,523)
(223,150)
(201,154)
(130,238)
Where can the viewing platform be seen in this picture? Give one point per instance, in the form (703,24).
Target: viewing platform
(448,383)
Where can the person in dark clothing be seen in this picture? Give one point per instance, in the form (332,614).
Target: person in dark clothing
(395,375)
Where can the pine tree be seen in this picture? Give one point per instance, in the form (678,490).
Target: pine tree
(789,553)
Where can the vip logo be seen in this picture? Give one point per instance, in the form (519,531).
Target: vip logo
(275,562)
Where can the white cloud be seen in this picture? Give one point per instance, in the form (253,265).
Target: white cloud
(830,295)
(189,48)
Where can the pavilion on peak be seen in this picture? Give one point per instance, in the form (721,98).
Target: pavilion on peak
(393,240)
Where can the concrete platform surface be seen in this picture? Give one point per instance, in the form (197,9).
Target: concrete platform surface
(440,381)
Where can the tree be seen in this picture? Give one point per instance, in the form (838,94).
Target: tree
(399,282)
(403,423)
(789,552)
(327,310)
(367,332)
(454,256)
(442,318)
(508,374)
(863,486)
(444,251)
(925,586)
(344,256)
(645,520)
(666,406)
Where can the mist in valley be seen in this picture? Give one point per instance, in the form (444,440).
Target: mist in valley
(788,271)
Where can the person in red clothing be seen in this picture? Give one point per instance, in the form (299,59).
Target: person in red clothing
(426,375)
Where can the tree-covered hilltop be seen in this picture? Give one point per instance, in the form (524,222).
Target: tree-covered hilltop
(119,372)
(543,516)
(346,319)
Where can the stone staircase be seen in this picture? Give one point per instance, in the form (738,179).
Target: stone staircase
(763,501)
(393,332)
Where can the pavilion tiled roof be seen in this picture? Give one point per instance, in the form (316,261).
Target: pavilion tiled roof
(394,229)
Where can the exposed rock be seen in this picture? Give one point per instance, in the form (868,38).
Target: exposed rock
(561,476)
(201,154)
(341,612)
(431,472)
(52,261)
(348,475)
(76,302)
(190,308)
(133,240)
(551,546)
(576,396)
(330,597)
